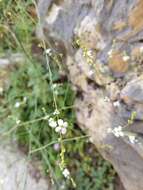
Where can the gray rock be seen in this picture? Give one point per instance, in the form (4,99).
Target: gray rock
(17,173)
(133,92)
(7,63)
(11,60)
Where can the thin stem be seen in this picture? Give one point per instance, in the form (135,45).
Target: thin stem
(54,142)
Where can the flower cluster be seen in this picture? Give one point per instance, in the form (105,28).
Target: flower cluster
(60,126)
(66,173)
(118,132)
(132,139)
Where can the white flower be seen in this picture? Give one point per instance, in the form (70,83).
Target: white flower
(66,173)
(126,58)
(56,147)
(53,124)
(65,124)
(60,126)
(117,131)
(63,131)
(60,122)
(17,105)
(132,139)
(58,129)
(116,104)
(50,119)
(119,134)
(119,128)
(56,112)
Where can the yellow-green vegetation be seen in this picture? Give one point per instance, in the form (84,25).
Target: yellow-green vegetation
(87,53)
(132,118)
(38,108)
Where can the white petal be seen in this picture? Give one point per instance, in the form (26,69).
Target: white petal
(65,124)
(116,134)
(50,120)
(121,134)
(53,124)
(58,129)
(63,131)
(56,112)
(132,139)
(66,173)
(120,128)
(60,122)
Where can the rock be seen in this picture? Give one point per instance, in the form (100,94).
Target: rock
(133,92)
(11,60)
(113,29)
(113,91)
(135,18)
(7,64)
(17,172)
(102,75)
(4,62)
(132,95)
(117,64)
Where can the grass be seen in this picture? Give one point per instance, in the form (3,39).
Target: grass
(37,89)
